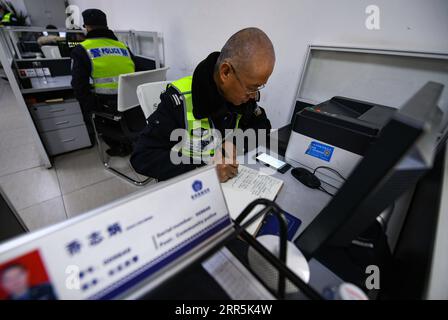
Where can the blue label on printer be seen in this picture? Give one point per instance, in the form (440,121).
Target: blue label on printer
(320,150)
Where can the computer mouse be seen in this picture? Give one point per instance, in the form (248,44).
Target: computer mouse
(306,177)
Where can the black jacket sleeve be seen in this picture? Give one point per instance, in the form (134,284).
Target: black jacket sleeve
(151,156)
(81,71)
(255,117)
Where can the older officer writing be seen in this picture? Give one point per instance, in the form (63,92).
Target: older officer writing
(220,95)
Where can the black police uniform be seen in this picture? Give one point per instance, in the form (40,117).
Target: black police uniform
(151,156)
(89,100)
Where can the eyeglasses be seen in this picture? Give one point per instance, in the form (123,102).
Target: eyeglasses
(248,92)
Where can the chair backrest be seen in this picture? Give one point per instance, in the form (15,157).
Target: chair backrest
(149,96)
(128,83)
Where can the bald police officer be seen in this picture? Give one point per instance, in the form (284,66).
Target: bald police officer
(220,95)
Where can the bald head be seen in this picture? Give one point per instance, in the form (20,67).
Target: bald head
(248,48)
(244,65)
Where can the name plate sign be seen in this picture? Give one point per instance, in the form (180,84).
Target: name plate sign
(103,254)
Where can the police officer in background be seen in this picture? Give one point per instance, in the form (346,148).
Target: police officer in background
(102,58)
(221,94)
(7,18)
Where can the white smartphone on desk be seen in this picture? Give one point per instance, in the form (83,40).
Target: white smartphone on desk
(272,162)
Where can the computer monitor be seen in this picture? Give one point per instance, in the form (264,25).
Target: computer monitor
(29,46)
(404,151)
(128,83)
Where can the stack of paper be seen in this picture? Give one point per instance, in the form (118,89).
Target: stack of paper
(247,186)
(234,278)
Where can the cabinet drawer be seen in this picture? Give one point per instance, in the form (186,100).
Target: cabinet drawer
(50,124)
(44,111)
(64,140)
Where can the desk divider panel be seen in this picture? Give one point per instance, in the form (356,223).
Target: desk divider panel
(386,77)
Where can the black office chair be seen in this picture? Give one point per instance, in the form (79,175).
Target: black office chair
(124,125)
(119,130)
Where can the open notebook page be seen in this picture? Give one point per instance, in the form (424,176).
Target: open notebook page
(247,186)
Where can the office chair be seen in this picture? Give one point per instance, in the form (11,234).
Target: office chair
(129,117)
(149,96)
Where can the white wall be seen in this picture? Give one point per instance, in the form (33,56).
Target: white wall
(42,12)
(19,5)
(45,12)
(192,29)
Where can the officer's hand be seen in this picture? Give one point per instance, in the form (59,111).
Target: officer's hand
(225,160)
(226,172)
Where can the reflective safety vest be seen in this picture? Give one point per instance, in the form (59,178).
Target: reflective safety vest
(109,58)
(199,141)
(6,18)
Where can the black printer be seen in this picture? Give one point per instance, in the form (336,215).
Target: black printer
(335,133)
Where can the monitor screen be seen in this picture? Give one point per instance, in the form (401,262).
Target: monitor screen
(128,83)
(403,152)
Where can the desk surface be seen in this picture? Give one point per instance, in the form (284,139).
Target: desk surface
(294,197)
(305,204)
(49,84)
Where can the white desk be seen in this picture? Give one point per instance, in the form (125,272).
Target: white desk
(49,84)
(294,197)
(305,204)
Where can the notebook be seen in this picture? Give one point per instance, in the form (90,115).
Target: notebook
(247,186)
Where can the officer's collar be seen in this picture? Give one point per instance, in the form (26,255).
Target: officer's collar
(101,33)
(207,101)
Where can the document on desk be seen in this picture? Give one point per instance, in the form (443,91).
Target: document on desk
(234,278)
(247,186)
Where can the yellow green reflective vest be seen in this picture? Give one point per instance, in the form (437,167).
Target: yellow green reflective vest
(6,18)
(109,58)
(198,142)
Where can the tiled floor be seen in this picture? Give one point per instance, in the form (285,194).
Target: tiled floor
(77,183)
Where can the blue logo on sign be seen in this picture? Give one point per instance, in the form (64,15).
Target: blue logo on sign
(198,189)
(197,186)
(320,151)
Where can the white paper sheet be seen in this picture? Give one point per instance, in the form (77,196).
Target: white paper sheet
(234,278)
(247,186)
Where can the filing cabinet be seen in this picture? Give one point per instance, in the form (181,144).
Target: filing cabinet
(61,126)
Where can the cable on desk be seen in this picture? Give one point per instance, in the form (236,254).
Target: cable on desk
(323,190)
(330,169)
